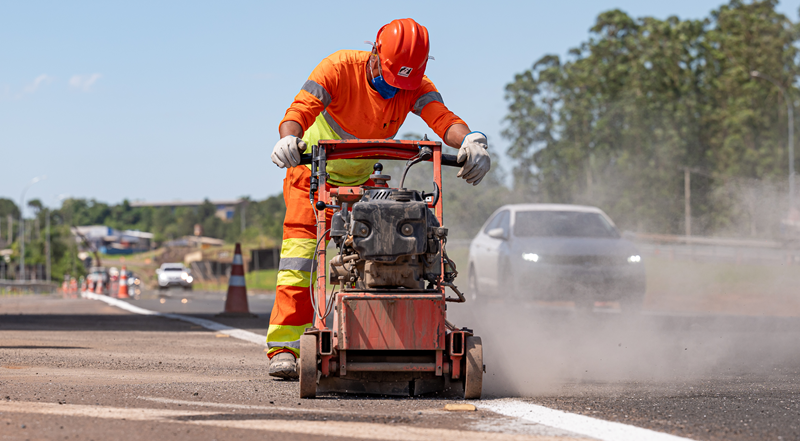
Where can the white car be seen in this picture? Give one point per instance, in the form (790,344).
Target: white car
(174,274)
(555,252)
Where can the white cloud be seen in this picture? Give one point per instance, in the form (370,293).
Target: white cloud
(84,82)
(42,79)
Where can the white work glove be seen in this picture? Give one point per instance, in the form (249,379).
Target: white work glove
(287,151)
(478,163)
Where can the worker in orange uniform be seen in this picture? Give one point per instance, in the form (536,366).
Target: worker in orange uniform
(351,94)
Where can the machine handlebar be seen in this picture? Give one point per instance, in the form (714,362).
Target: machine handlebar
(448,160)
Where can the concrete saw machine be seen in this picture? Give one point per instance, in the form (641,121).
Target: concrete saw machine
(389,333)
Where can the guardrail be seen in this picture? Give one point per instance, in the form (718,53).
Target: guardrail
(36,286)
(766,252)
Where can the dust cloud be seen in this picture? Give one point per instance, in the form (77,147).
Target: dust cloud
(706,314)
(683,334)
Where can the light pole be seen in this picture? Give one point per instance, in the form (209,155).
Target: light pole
(21,275)
(790,112)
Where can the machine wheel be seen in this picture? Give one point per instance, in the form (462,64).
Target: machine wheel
(308,366)
(473,372)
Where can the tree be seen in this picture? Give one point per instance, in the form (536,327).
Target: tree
(614,124)
(7,206)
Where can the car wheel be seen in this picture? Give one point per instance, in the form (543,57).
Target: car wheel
(505,282)
(473,293)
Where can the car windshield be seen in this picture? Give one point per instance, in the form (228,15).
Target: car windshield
(562,224)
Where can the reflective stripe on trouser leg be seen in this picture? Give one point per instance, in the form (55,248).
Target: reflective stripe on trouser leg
(292,312)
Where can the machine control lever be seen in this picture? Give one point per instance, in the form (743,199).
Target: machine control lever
(322,206)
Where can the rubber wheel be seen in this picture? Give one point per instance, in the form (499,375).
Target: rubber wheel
(308,366)
(473,372)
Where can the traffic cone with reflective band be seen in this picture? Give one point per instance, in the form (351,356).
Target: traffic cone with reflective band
(98,286)
(73,286)
(123,284)
(236,301)
(83,284)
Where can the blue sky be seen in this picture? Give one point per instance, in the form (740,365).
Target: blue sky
(180,100)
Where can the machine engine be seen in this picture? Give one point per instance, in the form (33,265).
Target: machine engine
(389,239)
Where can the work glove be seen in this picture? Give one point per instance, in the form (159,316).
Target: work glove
(478,163)
(287,151)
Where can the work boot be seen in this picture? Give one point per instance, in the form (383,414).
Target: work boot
(283,365)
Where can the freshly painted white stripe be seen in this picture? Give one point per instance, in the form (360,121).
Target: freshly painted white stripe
(579,424)
(241,334)
(236,281)
(237,259)
(344,429)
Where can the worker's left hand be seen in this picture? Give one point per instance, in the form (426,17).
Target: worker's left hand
(478,162)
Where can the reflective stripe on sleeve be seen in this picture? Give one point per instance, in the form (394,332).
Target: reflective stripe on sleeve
(296,263)
(336,127)
(426,99)
(318,91)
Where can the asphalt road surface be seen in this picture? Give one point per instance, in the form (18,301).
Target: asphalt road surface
(84,369)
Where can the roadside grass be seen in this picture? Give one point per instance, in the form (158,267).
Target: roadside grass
(256,281)
(724,287)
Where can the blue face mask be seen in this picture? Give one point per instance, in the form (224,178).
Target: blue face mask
(383,88)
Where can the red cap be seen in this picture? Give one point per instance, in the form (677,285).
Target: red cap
(403,47)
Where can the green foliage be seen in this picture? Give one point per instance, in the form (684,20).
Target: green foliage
(615,123)
(7,206)
(261,218)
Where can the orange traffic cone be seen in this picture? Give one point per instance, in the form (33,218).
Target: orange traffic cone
(73,286)
(236,301)
(123,284)
(98,286)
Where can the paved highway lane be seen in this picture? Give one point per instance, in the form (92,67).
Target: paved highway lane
(85,368)
(709,377)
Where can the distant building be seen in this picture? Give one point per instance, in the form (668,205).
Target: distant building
(225,208)
(110,241)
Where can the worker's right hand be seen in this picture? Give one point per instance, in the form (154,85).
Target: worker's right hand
(287,151)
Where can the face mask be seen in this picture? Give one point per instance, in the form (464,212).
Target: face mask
(383,88)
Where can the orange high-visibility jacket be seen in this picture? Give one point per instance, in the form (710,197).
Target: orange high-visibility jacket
(337,102)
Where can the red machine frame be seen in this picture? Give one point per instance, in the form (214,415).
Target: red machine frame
(397,322)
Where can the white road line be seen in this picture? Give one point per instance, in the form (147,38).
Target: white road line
(579,424)
(241,334)
(344,429)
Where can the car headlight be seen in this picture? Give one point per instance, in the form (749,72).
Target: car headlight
(530,257)
(189,279)
(184,275)
(635,258)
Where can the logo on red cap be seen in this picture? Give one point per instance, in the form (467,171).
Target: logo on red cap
(404,71)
